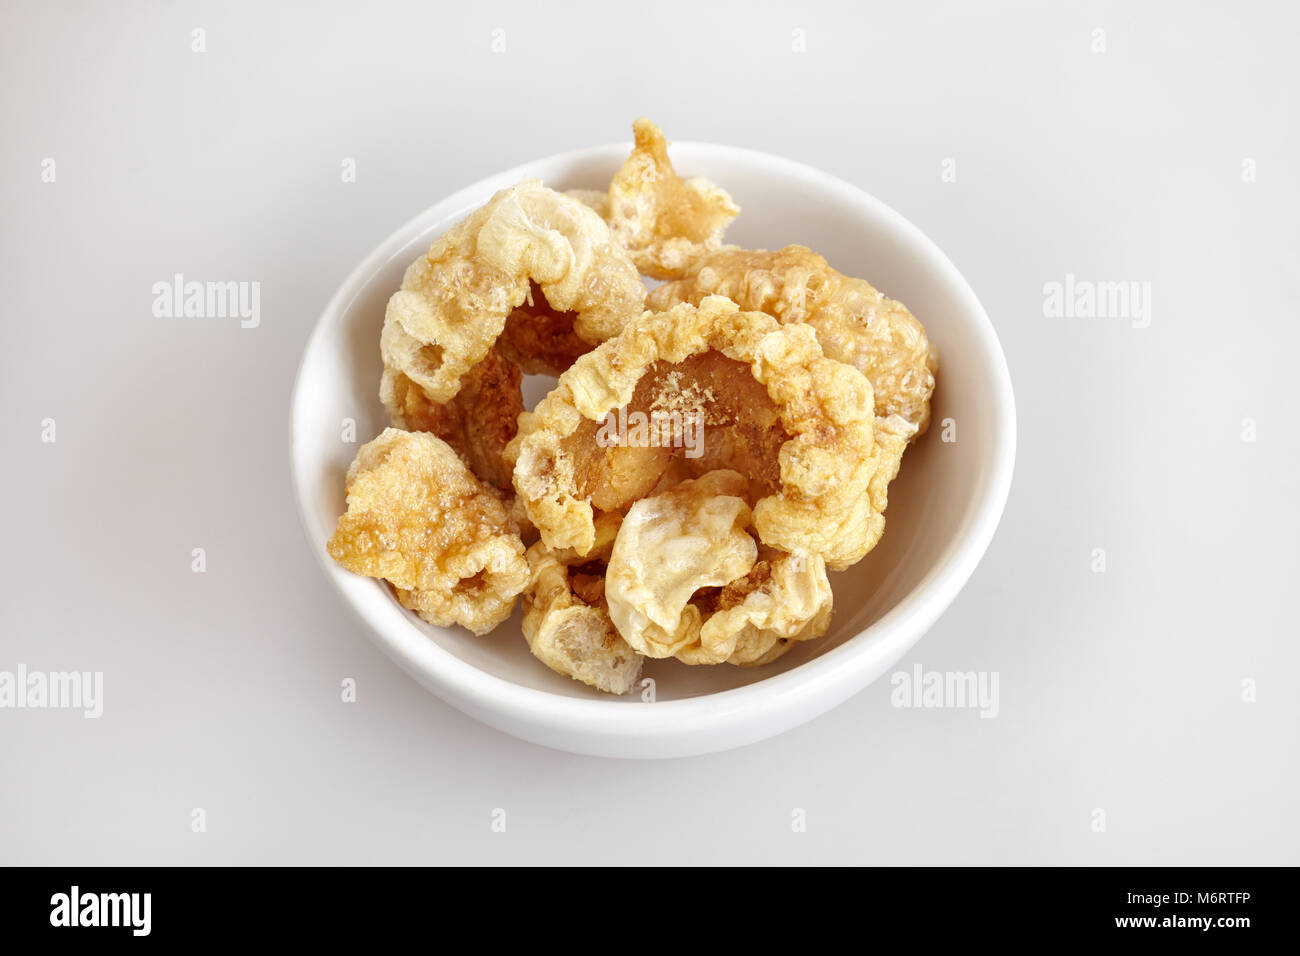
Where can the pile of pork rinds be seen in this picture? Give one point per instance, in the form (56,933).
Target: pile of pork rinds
(711,449)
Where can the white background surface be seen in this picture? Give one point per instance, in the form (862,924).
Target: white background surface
(1120,691)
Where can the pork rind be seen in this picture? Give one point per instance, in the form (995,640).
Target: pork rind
(419,519)
(566,620)
(669,547)
(597,199)
(539,339)
(478,422)
(686,580)
(854,322)
(783,600)
(798,425)
(455,300)
(666,222)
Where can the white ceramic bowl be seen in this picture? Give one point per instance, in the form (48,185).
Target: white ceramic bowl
(943,508)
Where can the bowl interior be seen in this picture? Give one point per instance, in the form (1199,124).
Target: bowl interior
(931,504)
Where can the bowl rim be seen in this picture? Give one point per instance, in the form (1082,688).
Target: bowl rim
(830,677)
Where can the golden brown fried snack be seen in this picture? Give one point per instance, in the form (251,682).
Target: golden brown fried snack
(669,547)
(455,300)
(597,199)
(783,600)
(539,339)
(769,405)
(686,580)
(566,619)
(478,422)
(666,222)
(854,322)
(419,519)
